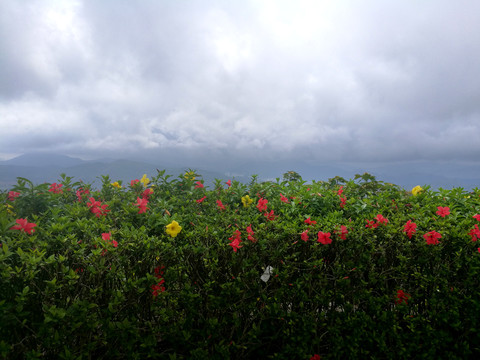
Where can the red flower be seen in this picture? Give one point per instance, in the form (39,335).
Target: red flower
(343,201)
(310,222)
(283,198)
(475,233)
(432,237)
(324,238)
(158,288)
(12,195)
(80,192)
(201,200)
(304,235)
(142,205)
(235,244)
(315,357)
(381,220)
(229,183)
(146,194)
(402,297)
(340,191)
(134,182)
(371,224)
(220,205)
(250,234)
(410,228)
(443,211)
(476,217)
(56,188)
(342,232)
(270,216)
(199,185)
(114,243)
(262,204)
(106,236)
(24,225)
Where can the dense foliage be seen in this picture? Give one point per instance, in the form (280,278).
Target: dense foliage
(165,268)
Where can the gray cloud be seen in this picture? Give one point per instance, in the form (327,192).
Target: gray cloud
(333,82)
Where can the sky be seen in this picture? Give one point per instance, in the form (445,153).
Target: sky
(328,81)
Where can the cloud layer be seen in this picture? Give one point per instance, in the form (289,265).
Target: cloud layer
(330,81)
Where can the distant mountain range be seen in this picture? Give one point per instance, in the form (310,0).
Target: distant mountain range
(40,168)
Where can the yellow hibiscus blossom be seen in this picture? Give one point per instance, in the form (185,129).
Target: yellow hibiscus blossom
(173,228)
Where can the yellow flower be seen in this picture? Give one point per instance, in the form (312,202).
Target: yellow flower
(9,208)
(144,180)
(246,201)
(416,190)
(189,175)
(117,185)
(173,228)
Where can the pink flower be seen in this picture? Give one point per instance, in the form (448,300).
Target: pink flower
(220,205)
(262,204)
(304,235)
(199,201)
(199,185)
(24,225)
(310,222)
(432,238)
(324,238)
(12,195)
(410,228)
(283,198)
(443,211)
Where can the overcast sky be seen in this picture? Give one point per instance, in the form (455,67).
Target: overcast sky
(324,80)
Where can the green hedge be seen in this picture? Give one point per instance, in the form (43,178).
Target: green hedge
(67,291)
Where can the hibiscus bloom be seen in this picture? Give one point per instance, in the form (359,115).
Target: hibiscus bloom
(56,188)
(142,205)
(12,195)
(220,205)
(246,201)
(342,232)
(477,217)
(270,216)
(381,220)
(475,233)
(416,190)
(310,222)
(371,224)
(410,228)
(201,200)
(402,297)
(144,180)
(432,238)
(229,183)
(199,185)
(324,238)
(283,198)
(262,204)
(235,244)
(24,225)
(304,235)
(443,211)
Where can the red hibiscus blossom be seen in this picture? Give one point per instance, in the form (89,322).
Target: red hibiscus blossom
(381,220)
(477,217)
(229,183)
(250,234)
(146,194)
(410,228)
(220,205)
(283,198)
(371,224)
(402,297)
(262,204)
(304,235)
(142,205)
(475,233)
(56,188)
(201,200)
(270,216)
(24,225)
(199,185)
(443,211)
(432,237)
(12,195)
(342,232)
(324,238)
(310,222)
